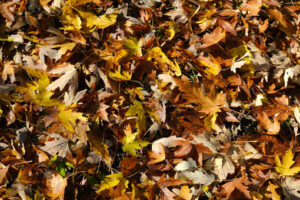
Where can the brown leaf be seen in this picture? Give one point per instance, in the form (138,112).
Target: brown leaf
(285,24)
(102,111)
(212,38)
(253,6)
(263,27)
(54,185)
(195,94)
(157,157)
(3,173)
(128,165)
(273,128)
(5,11)
(185,148)
(227,26)
(235,184)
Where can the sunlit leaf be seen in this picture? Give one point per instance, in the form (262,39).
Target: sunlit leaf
(284,167)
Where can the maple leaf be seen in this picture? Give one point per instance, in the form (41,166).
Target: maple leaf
(213,38)
(37,92)
(195,94)
(63,48)
(138,109)
(213,67)
(69,75)
(92,21)
(284,167)
(70,19)
(160,57)
(236,184)
(60,145)
(253,6)
(130,144)
(68,118)
(124,76)
(272,188)
(185,193)
(111,181)
(133,46)
(272,128)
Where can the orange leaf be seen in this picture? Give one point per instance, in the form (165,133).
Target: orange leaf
(213,38)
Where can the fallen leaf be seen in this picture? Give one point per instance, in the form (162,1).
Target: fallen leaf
(284,167)
(55,185)
(236,184)
(252,6)
(291,187)
(58,145)
(272,128)
(210,39)
(198,176)
(185,193)
(131,145)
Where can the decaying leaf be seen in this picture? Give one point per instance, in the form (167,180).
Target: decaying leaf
(55,185)
(198,176)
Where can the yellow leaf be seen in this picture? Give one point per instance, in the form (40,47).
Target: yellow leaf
(125,76)
(130,144)
(136,91)
(92,21)
(284,167)
(209,121)
(160,57)
(170,33)
(138,109)
(37,90)
(70,19)
(111,181)
(68,118)
(133,46)
(107,20)
(274,194)
(63,48)
(185,193)
(213,67)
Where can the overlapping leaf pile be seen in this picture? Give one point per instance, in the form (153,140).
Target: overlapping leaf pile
(155,99)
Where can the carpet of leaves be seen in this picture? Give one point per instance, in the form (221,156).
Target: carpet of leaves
(149,99)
